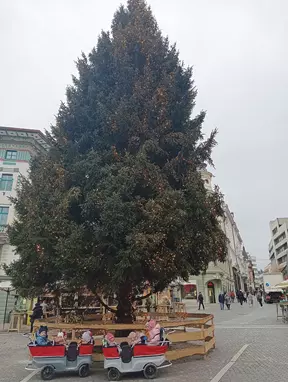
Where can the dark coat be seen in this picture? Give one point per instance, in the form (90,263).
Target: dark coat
(221,298)
(241,295)
(37,311)
(200,297)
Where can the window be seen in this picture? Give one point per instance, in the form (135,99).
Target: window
(282,259)
(280,238)
(274,231)
(6,182)
(11,154)
(282,248)
(3,216)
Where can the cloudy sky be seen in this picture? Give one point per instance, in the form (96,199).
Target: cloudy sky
(239,52)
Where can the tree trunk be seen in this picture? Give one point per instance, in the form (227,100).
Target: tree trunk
(124,313)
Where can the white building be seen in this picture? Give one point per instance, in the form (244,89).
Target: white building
(236,251)
(227,276)
(278,245)
(257,275)
(17,146)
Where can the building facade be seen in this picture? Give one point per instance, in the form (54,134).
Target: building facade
(17,147)
(278,245)
(227,276)
(254,277)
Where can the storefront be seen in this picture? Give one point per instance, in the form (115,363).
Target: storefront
(211,292)
(189,290)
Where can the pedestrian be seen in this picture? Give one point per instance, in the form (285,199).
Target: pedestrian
(227,300)
(44,308)
(232,295)
(36,314)
(237,295)
(200,301)
(259,298)
(245,297)
(250,300)
(241,297)
(221,299)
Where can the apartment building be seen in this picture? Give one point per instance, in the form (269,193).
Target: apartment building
(17,147)
(254,274)
(278,245)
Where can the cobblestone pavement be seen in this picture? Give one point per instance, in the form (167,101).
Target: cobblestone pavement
(263,360)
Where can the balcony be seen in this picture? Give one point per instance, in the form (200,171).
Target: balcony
(3,235)
(281,242)
(282,253)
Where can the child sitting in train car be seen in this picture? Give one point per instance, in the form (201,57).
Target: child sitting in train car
(61,338)
(42,336)
(87,338)
(135,338)
(154,332)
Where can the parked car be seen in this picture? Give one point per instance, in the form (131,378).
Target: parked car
(273,297)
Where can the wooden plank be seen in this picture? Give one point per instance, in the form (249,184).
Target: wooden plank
(172,355)
(186,336)
(209,332)
(210,345)
(96,357)
(112,327)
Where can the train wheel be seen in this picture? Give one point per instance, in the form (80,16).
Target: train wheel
(150,371)
(47,373)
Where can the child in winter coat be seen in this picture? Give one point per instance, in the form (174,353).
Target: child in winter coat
(109,340)
(42,336)
(87,338)
(153,332)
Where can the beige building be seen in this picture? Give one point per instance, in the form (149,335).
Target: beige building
(227,276)
(17,147)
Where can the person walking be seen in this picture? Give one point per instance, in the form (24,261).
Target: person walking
(241,297)
(259,298)
(200,301)
(245,297)
(228,300)
(237,295)
(250,300)
(44,308)
(36,314)
(221,299)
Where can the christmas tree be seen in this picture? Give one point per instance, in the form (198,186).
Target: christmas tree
(118,205)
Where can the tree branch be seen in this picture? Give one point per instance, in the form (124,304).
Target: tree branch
(143,297)
(105,305)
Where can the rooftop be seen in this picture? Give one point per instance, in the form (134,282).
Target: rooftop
(18,132)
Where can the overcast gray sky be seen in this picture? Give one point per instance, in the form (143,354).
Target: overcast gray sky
(239,52)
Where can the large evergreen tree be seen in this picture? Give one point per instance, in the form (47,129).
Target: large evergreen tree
(119,201)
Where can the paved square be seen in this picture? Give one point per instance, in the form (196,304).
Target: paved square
(263,360)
